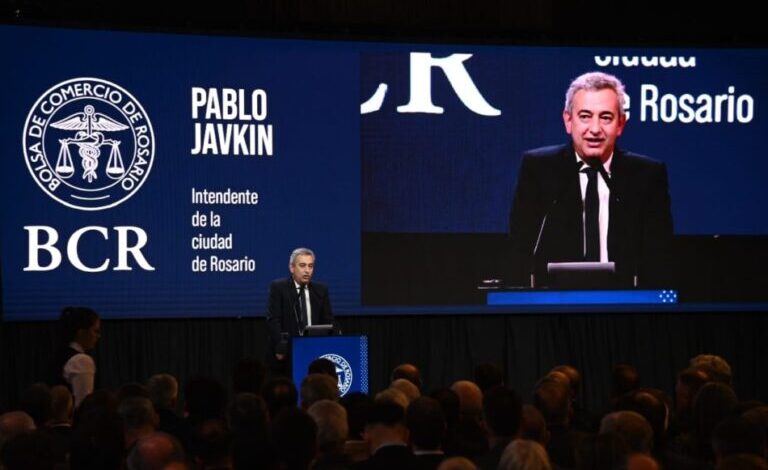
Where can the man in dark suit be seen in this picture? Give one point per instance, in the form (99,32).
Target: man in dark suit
(387,436)
(590,201)
(295,303)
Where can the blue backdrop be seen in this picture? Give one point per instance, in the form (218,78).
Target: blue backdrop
(331,172)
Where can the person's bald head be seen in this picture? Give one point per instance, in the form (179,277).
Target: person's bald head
(14,423)
(641,462)
(533,426)
(470,397)
(62,405)
(392,395)
(410,390)
(457,463)
(573,374)
(559,377)
(155,451)
(408,372)
(716,367)
(630,425)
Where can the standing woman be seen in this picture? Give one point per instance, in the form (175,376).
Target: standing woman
(80,330)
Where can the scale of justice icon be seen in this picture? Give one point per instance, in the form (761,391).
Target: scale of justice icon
(89,141)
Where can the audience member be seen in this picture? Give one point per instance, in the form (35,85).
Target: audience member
(392,395)
(642,462)
(552,399)
(60,424)
(736,435)
(502,413)
(36,402)
(488,375)
(279,393)
(157,451)
(387,437)
(523,454)
(625,378)
(532,426)
(211,445)
(34,450)
(632,427)
(164,392)
(408,372)
(332,432)
(294,434)
(248,419)
(470,398)
(316,387)
(426,425)
(14,423)
(410,391)
(79,331)
(605,451)
(457,463)
(716,368)
(139,419)
(322,365)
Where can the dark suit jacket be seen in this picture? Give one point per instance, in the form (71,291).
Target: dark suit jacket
(640,218)
(283,311)
(388,458)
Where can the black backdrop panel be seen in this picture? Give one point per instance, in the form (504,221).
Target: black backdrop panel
(445,347)
(447,269)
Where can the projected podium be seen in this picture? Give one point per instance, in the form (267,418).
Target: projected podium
(348,353)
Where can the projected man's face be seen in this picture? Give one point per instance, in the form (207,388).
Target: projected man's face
(302,268)
(595,122)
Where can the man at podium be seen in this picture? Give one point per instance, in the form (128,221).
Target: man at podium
(588,200)
(294,304)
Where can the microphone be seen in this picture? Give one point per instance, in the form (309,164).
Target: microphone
(538,241)
(561,188)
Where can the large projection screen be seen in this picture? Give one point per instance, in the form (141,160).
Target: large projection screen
(156,175)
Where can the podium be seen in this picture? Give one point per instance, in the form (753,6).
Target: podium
(348,353)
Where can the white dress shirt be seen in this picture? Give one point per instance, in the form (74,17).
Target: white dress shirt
(605,198)
(79,371)
(306,301)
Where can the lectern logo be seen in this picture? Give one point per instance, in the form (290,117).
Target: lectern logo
(88,143)
(343,372)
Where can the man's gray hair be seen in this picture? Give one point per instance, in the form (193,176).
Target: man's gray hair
(332,426)
(524,454)
(163,390)
(299,252)
(316,387)
(137,412)
(632,426)
(595,81)
(714,366)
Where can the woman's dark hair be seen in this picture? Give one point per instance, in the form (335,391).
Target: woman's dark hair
(73,319)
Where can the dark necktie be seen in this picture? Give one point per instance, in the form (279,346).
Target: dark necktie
(592,217)
(303,305)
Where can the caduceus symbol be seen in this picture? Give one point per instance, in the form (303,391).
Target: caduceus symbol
(89,141)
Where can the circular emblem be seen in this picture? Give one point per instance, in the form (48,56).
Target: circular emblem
(343,372)
(88,143)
